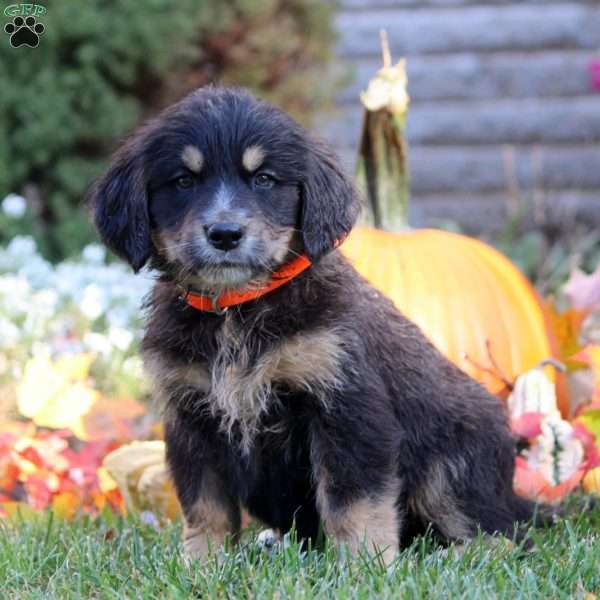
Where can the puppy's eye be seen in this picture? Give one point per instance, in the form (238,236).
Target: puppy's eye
(184,182)
(264,180)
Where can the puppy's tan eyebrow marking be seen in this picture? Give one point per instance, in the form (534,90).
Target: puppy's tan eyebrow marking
(253,157)
(192,158)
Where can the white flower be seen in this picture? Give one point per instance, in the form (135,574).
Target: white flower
(94,253)
(9,334)
(15,294)
(38,272)
(93,301)
(21,248)
(14,206)
(120,338)
(97,342)
(134,367)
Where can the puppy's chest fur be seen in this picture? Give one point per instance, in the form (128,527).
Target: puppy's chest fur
(246,374)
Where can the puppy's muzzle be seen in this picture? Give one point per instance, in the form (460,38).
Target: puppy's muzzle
(224,236)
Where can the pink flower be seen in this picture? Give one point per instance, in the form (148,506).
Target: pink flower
(594,67)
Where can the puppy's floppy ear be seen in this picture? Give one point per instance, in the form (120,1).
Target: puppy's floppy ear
(120,209)
(329,203)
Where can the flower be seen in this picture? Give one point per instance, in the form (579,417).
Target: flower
(120,338)
(94,253)
(594,68)
(14,206)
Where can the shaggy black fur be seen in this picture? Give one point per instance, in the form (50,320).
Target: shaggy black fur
(399,416)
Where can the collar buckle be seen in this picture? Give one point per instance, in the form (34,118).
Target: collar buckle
(214,300)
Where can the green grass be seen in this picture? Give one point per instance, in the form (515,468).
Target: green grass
(123,558)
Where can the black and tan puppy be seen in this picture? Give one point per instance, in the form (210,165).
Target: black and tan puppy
(313,403)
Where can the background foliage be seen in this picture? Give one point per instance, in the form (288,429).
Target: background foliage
(101,67)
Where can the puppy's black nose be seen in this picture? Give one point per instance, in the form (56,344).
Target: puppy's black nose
(224,236)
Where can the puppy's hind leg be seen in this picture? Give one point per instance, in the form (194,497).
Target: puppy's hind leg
(371,520)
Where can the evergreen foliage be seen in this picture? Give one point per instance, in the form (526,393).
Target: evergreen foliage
(101,67)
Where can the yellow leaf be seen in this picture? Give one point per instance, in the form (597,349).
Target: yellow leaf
(16,511)
(55,394)
(590,356)
(106,481)
(591,482)
(65,505)
(566,327)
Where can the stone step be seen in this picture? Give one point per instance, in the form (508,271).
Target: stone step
(506,121)
(472,76)
(514,26)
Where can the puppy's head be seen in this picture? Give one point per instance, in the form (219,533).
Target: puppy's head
(220,190)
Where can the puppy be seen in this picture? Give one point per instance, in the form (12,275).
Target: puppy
(291,386)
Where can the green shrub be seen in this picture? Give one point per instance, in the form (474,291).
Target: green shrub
(102,66)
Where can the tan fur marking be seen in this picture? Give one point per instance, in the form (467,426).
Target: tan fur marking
(253,157)
(238,389)
(241,391)
(192,158)
(278,241)
(209,521)
(205,529)
(436,502)
(169,375)
(372,522)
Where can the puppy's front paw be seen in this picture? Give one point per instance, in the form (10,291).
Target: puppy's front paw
(198,545)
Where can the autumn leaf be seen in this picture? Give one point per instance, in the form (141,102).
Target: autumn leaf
(65,504)
(53,469)
(587,426)
(55,393)
(583,290)
(566,327)
(17,511)
(591,482)
(590,357)
(112,417)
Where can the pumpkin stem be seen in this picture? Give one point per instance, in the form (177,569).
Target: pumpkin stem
(560,367)
(382,170)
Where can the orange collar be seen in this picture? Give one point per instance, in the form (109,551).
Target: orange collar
(220,304)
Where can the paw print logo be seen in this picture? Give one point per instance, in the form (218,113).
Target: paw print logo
(24,32)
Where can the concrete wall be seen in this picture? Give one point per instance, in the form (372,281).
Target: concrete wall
(503,112)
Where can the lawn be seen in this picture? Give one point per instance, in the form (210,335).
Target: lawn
(113,557)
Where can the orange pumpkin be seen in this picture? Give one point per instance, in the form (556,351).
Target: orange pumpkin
(471,301)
